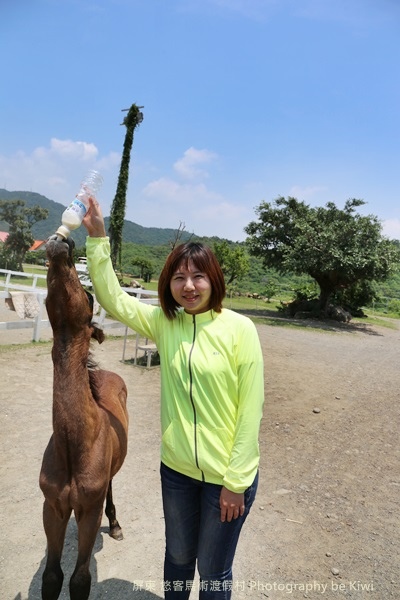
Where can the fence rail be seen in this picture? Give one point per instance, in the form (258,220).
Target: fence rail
(7,283)
(7,287)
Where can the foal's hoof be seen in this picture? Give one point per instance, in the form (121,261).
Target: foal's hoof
(116,533)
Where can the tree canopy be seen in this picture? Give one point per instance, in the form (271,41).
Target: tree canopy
(146,268)
(233,260)
(337,248)
(20,219)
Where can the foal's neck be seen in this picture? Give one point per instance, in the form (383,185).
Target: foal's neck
(75,411)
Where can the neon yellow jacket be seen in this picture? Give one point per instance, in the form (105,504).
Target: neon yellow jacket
(212,380)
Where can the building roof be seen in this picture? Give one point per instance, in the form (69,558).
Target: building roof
(37,244)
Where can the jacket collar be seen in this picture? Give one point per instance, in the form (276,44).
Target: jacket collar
(203,317)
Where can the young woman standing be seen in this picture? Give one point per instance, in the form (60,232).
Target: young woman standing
(212,393)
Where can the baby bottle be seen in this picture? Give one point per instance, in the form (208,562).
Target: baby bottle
(74,213)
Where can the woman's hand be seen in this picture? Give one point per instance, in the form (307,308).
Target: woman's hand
(93,220)
(232,505)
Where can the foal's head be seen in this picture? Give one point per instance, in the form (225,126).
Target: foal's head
(69,306)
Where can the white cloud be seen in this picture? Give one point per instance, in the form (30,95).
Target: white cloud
(74,150)
(201,209)
(391,228)
(163,187)
(225,219)
(188,166)
(171,201)
(178,194)
(56,170)
(305,193)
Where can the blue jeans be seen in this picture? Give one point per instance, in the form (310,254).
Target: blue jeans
(194,531)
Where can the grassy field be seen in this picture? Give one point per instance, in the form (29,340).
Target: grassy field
(257,307)
(27,281)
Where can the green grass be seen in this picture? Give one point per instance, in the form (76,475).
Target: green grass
(269,313)
(259,310)
(383,320)
(35,269)
(27,281)
(152,285)
(5,348)
(244,303)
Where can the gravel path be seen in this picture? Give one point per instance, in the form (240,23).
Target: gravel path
(325,523)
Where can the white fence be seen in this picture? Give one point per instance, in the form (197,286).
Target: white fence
(8,289)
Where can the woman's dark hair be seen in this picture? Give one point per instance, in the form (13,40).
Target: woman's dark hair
(204,260)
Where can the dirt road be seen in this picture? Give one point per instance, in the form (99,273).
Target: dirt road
(325,523)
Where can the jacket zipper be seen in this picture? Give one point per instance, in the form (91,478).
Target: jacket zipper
(196,456)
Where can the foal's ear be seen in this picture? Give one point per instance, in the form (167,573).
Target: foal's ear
(98,334)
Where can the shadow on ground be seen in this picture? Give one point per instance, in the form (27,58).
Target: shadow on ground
(270,317)
(109,588)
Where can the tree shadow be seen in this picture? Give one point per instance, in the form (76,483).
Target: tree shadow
(110,588)
(270,317)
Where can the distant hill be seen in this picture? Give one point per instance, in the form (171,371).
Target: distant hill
(150,236)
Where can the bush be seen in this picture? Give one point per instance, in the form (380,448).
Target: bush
(394,307)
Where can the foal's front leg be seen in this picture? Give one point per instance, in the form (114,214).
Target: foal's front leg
(55,527)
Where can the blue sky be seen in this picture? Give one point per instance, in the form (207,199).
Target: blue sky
(244,101)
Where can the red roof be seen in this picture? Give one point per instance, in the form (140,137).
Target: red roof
(36,244)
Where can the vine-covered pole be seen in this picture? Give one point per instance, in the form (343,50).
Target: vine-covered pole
(117,214)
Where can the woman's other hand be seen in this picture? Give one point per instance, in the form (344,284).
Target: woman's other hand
(232,505)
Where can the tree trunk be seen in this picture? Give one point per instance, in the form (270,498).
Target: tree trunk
(117,214)
(324,296)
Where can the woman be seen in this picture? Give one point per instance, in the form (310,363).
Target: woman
(212,392)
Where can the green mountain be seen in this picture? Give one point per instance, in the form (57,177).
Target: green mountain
(150,236)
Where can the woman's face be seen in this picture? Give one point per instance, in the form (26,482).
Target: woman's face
(191,288)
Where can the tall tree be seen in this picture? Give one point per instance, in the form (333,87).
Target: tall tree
(233,260)
(337,248)
(146,267)
(20,219)
(117,214)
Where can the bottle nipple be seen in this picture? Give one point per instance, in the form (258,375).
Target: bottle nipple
(63,232)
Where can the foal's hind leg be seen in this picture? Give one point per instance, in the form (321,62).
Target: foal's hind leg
(115,529)
(55,527)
